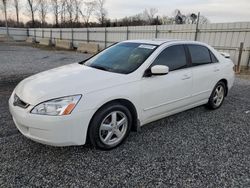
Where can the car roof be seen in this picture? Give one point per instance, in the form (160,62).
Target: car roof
(163,41)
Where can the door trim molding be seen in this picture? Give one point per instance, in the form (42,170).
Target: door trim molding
(202,92)
(166,103)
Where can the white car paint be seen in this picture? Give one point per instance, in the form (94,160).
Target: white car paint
(153,97)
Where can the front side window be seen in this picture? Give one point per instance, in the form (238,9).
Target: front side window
(213,58)
(199,54)
(122,58)
(174,57)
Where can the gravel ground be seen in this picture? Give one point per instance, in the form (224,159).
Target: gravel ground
(196,148)
(21,60)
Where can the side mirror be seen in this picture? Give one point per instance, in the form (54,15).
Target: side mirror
(226,55)
(159,70)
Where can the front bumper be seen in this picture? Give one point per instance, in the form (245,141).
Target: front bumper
(51,130)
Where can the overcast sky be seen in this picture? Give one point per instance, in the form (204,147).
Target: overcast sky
(215,10)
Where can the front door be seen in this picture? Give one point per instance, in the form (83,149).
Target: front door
(166,93)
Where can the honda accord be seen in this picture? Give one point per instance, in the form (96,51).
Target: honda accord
(122,88)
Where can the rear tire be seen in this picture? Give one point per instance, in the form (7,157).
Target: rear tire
(110,126)
(217,96)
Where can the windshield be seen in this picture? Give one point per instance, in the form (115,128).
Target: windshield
(122,58)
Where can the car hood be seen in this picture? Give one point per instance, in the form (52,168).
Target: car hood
(66,80)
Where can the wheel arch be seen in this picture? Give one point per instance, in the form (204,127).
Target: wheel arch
(226,84)
(127,103)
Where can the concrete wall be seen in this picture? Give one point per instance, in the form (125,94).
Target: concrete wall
(223,36)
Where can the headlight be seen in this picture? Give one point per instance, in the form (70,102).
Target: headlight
(57,107)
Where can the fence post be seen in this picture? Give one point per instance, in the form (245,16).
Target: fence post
(50,37)
(42,33)
(127,32)
(51,34)
(156,31)
(60,34)
(28,34)
(105,37)
(239,57)
(35,34)
(248,61)
(197,27)
(87,35)
(72,36)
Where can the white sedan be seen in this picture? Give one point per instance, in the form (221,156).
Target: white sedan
(127,85)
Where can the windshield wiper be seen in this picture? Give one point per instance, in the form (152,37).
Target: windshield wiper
(99,67)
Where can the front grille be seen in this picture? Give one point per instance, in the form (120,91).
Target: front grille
(19,102)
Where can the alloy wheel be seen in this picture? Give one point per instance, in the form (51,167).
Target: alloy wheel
(113,128)
(218,95)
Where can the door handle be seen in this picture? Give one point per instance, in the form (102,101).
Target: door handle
(186,77)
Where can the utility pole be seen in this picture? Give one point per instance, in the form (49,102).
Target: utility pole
(197,27)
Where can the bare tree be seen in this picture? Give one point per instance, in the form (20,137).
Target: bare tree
(32,7)
(55,5)
(63,11)
(101,12)
(179,17)
(89,8)
(150,14)
(43,7)
(5,15)
(70,9)
(191,18)
(203,20)
(167,20)
(77,8)
(17,9)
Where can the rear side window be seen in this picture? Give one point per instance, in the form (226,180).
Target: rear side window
(199,54)
(174,57)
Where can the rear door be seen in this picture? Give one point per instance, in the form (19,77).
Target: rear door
(205,70)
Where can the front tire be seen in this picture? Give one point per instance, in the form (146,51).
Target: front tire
(110,126)
(217,97)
